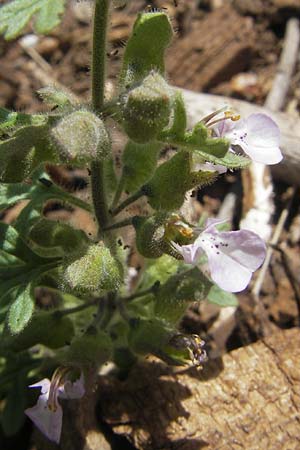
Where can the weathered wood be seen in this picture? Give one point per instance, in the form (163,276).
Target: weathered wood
(249,400)
(199,105)
(217,47)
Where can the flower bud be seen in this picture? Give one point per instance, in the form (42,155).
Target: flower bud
(147,109)
(81,137)
(57,98)
(95,270)
(150,232)
(172,179)
(89,349)
(173,297)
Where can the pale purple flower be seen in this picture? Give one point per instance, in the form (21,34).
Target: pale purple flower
(47,414)
(258,136)
(232,255)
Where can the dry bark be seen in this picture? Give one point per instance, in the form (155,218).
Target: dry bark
(216,48)
(249,400)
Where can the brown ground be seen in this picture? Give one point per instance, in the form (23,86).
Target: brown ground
(232,50)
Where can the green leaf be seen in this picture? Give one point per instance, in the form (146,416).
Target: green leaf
(57,239)
(13,416)
(24,151)
(230,160)
(159,269)
(20,271)
(197,140)
(151,35)
(167,188)
(219,297)
(139,163)
(13,244)
(179,119)
(173,297)
(15,16)
(21,309)
(39,191)
(10,120)
(40,331)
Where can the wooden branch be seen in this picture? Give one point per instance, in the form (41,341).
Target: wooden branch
(250,400)
(287,64)
(199,105)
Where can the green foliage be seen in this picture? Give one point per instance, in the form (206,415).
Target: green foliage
(230,160)
(13,414)
(151,35)
(57,98)
(222,298)
(10,120)
(159,269)
(147,108)
(179,123)
(172,179)
(198,140)
(20,272)
(149,336)
(139,163)
(47,328)
(28,147)
(59,239)
(81,138)
(173,297)
(15,16)
(96,270)
(149,235)
(40,190)
(91,349)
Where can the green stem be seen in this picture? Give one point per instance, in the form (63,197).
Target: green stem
(127,202)
(98,84)
(122,224)
(67,311)
(119,191)
(99,52)
(139,294)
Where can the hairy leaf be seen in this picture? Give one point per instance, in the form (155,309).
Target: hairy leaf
(219,297)
(21,309)
(139,163)
(15,15)
(38,191)
(24,151)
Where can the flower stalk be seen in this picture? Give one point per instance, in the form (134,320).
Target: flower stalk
(100,23)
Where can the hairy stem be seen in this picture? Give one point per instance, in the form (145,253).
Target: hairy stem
(127,202)
(98,84)
(139,294)
(124,223)
(75,309)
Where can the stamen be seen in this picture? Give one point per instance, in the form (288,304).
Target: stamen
(213,114)
(228,115)
(57,380)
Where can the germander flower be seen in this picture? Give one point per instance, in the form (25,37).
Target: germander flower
(258,136)
(47,413)
(232,255)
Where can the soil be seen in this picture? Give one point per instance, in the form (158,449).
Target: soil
(221,47)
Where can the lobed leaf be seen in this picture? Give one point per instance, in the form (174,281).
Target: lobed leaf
(15,15)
